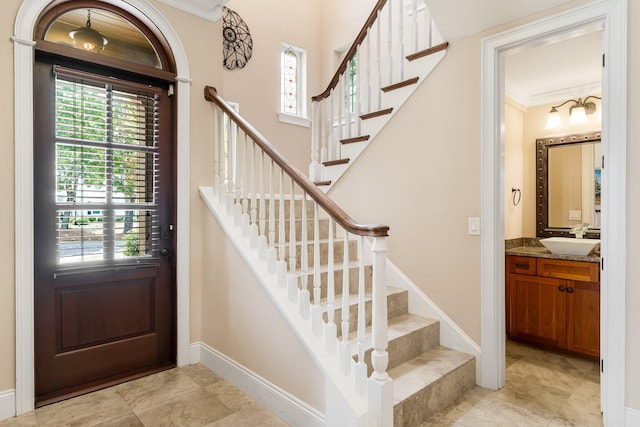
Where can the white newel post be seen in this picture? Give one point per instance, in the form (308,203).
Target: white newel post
(316,126)
(380,385)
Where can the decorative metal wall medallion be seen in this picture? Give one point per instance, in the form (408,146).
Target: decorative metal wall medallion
(237,41)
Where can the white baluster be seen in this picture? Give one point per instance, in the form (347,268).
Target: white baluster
(273,254)
(246,188)
(345,348)
(326,131)
(429,26)
(369,56)
(262,230)
(401,39)
(333,125)
(358,89)
(293,283)
(379,61)
(216,152)
(390,41)
(380,385)
(230,157)
(361,367)
(304,262)
(316,129)
(341,115)
(347,103)
(316,310)
(282,263)
(239,181)
(254,199)
(414,25)
(331,332)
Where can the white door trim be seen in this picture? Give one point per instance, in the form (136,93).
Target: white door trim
(613,14)
(24,245)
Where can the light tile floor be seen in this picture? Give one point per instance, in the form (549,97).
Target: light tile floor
(191,396)
(542,389)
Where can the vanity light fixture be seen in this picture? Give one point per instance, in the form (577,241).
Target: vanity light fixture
(87,38)
(577,112)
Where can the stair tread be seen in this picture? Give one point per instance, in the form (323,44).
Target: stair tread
(397,327)
(416,374)
(355,139)
(401,84)
(335,162)
(376,113)
(427,52)
(336,267)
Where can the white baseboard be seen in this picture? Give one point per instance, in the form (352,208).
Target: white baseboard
(281,403)
(451,335)
(7,404)
(631,417)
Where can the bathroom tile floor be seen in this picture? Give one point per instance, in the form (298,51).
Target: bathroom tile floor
(191,396)
(542,389)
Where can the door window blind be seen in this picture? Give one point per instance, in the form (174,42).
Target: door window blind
(106,171)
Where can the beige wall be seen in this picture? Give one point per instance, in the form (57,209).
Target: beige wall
(256,87)
(513,169)
(241,321)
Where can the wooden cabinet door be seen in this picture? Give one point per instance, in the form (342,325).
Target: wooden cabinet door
(538,309)
(583,317)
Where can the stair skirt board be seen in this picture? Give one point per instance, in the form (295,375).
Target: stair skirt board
(284,405)
(421,65)
(7,404)
(451,335)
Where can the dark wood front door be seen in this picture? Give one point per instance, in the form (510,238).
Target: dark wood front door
(104,209)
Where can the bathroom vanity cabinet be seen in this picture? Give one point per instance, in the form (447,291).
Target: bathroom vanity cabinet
(554,303)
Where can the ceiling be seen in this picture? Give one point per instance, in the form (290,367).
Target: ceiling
(555,72)
(539,75)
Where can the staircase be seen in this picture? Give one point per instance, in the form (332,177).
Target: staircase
(327,275)
(371,84)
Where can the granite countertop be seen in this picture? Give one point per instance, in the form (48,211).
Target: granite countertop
(533,248)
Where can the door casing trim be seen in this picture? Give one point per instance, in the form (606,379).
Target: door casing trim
(26,20)
(613,14)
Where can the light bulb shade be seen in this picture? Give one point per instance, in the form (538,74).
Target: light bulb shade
(88,39)
(553,120)
(577,115)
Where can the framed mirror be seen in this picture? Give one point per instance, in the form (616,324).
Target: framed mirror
(568,171)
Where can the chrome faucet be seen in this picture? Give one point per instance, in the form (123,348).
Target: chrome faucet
(579,230)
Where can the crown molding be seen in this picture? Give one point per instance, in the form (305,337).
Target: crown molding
(206,9)
(552,97)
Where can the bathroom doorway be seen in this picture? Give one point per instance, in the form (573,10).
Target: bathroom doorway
(610,15)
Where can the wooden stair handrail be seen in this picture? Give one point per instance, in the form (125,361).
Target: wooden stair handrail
(340,216)
(351,52)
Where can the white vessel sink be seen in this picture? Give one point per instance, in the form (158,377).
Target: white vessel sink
(569,246)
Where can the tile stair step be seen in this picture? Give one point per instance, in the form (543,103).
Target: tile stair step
(428,383)
(337,278)
(397,305)
(338,251)
(409,336)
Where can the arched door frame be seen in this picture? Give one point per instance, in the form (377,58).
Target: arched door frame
(24,44)
(613,14)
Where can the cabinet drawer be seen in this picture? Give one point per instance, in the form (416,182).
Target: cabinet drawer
(521,265)
(570,270)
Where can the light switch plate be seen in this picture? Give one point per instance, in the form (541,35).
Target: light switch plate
(474,226)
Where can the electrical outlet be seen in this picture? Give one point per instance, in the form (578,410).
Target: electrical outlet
(575,215)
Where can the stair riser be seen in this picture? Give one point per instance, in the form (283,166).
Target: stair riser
(337,277)
(323,228)
(338,252)
(287,203)
(397,304)
(432,399)
(408,346)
